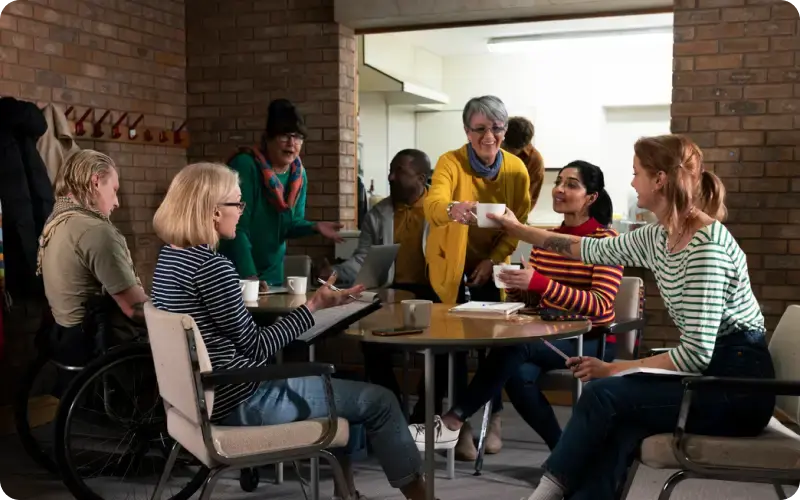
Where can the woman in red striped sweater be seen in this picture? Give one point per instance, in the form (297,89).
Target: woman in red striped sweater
(549,281)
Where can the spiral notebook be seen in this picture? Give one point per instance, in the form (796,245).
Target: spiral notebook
(499,308)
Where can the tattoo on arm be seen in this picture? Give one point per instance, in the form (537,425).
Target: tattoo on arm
(559,244)
(137,312)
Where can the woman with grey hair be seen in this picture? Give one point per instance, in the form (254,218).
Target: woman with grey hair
(460,255)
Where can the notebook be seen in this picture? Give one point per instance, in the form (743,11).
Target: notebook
(499,308)
(338,318)
(655,371)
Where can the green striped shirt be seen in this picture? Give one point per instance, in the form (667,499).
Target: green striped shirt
(705,286)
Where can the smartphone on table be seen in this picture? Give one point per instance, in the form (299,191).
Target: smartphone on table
(395,332)
(559,315)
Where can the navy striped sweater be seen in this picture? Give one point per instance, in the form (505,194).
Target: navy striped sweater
(203,284)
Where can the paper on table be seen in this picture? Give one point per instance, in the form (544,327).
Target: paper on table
(325,319)
(489,307)
(655,371)
(368,297)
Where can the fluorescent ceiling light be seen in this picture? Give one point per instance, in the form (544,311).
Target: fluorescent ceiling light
(517,43)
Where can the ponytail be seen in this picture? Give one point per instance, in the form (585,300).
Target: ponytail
(602,210)
(712,196)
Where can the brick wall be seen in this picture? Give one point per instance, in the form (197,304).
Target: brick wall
(243,54)
(118,55)
(736,92)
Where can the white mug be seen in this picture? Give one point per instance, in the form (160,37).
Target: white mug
(297,285)
(489,208)
(496,270)
(249,290)
(417,313)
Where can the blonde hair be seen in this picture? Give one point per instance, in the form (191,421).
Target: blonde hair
(689,184)
(75,175)
(186,216)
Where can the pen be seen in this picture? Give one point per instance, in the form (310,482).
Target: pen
(333,287)
(556,349)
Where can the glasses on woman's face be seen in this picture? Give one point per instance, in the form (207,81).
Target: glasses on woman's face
(290,138)
(481,131)
(238,204)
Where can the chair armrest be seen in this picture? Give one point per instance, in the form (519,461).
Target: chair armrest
(268,372)
(770,386)
(626,325)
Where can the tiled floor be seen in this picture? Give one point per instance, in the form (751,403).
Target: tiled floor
(509,475)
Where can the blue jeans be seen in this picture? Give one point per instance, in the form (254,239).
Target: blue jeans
(284,401)
(518,369)
(615,414)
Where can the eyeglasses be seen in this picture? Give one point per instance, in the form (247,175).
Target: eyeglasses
(238,204)
(481,131)
(288,138)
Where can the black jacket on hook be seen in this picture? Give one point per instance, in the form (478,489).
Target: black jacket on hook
(25,193)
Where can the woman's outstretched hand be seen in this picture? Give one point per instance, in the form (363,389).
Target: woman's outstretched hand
(508,221)
(325,297)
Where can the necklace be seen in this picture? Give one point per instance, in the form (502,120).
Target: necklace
(668,248)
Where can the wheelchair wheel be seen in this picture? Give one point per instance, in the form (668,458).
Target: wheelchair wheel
(39,383)
(111,433)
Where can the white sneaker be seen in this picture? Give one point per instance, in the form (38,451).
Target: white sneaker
(443,437)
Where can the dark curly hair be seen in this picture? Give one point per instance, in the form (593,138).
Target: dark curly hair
(519,134)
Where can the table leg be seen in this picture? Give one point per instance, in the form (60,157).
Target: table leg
(314,479)
(451,453)
(406,402)
(430,383)
(279,465)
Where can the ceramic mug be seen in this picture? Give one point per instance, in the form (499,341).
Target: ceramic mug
(496,270)
(417,313)
(483,209)
(297,285)
(249,290)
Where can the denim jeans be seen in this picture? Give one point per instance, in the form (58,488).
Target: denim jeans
(615,414)
(284,401)
(518,368)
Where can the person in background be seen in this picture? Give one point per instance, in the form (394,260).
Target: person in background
(702,275)
(202,207)
(548,281)
(274,187)
(400,218)
(458,251)
(83,257)
(518,141)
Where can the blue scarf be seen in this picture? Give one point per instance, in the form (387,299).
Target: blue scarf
(481,170)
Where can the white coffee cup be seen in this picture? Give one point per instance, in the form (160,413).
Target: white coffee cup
(249,290)
(297,285)
(489,208)
(417,313)
(496,270)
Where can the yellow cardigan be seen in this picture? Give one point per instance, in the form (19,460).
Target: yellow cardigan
(446,244)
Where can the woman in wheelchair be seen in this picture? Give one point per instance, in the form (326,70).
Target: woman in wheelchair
(702,275)
(203,205)
(88,273)
(548,281)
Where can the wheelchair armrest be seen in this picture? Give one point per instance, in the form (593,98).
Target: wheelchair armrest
(626,325)
(739,384)
(268,372)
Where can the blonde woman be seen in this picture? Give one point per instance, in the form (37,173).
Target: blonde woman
(202,206)
(83,256)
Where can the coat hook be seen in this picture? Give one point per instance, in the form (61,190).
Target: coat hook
(162,136)
(148,136)
(132,128)
(80,130)
(176,138)
(68,111)
(98,125)
(115,132)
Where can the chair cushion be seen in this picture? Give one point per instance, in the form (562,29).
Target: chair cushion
(776,448)
(237,442)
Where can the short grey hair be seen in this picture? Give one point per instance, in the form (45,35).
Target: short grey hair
(489,106)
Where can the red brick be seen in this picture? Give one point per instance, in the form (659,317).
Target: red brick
(739,45)
(695,48)
(766,122)
(698,16)
(768,91)
(694,78)
(693,109)
(783,138)
(715,123)
(719,31)
(740,138)
(784,10)
(727,61)
(770,59)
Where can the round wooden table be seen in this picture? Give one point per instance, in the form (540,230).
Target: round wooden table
(452,332)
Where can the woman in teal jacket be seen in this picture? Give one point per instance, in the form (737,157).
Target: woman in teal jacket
(274,186)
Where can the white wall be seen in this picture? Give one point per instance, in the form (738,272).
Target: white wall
(384,131)
(564,86)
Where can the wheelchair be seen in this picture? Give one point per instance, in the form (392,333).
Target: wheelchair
(109,434)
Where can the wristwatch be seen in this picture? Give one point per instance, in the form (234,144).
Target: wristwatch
(449,208)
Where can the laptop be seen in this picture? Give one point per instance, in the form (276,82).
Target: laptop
(374,272)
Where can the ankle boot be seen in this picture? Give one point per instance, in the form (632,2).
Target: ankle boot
(494,440)
(465,448)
